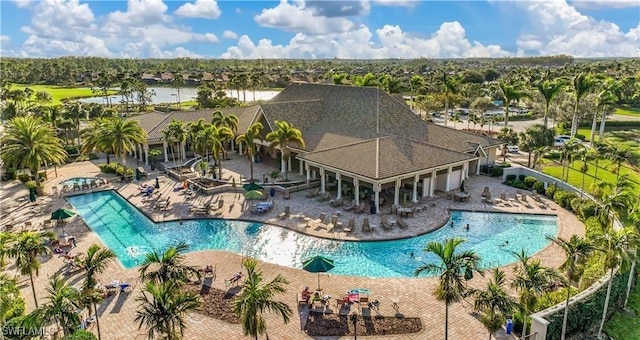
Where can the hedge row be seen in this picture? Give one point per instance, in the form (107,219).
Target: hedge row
(115,168)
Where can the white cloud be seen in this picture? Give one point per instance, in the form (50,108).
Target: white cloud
(336,8)
(139,12)
(448,42)
(230,35)
(4,39)
(606,3)
(560,29)
(297,18)
(61,20)
(207,9)
(396,3)
(23,3)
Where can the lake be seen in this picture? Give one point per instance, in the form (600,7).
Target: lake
(168,95)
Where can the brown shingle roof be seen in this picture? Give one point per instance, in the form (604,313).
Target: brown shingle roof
(386,157)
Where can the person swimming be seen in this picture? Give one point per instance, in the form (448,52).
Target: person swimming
(467,227)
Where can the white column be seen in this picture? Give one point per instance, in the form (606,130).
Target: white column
(300,167)
(313,174)
(339,180)
(446,187)
(240,148)
(183,147)
(289,163)
(463,172)
(376,195)
(308,172)
(135,151)
(323,181)
(416,179)
(282,164)
(233,143)
(432,187)
(396,194)
(164,145)
(356,189)
(478,167)
(425,187)
(146,154)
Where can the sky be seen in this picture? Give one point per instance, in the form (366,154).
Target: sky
(319,29)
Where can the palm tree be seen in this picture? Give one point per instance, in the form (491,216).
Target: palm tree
(577,250)
(585,155)
(63,301)
(415,83)
(532,280)
(221,120)
(169,266)
(602,149)
(218,135)
(281,138)
(25,248)
(454,269)
(569,150)
(257,298)
(121,136)
(29,142)
(605,99)
(549,89)
(75,112)
(248,140)
(178,83)
(582,84)
(613,205)
(95,138)
(11,303)
(619,155)
(175,132)
(510,94)
(616,245)
(494,303)
(163,307)
(94,262)
(449,89)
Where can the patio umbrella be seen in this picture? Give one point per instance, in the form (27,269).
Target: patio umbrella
(157,183)
(252,186)
(32,195)
(61,215)
(318,264)
(138,175)
(253,194)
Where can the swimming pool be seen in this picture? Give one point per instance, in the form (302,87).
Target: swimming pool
(77,180)
(130,234)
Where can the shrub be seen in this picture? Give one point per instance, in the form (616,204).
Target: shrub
(24,177)
(496,171)
(82,158)
(31,184)
(9,174)
(517,184)
(550,191)
(511,177)
(93,156)
(553,155)
(539,187)
(564,198)
(521,178)
(42,175)
(71,149)
(530,181)
(15,330)
(587,209)
(580,136)
(81,335)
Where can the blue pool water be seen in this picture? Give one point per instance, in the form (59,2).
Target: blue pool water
(77,180)
(131,234)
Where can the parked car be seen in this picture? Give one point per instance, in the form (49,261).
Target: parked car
(560,140)
(513,149)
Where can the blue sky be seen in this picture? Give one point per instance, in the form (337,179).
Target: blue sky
(364,29)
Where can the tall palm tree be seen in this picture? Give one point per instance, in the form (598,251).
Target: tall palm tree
(605,99)
(582,84)
(416,83)
(454,268)
(95,138)
(602,149)
(218,135)
(450,87)
(616,245)
(176,133)
(168,266)
(94,262)
(619,155)
(25,248)
(63,301)
(75,112)
(613,205)
(510,94)
(257,298)
(532,280)
(569,150)
(178,83)
(549,89)
(248,140)
(28,142)
(163,308)
(221,120)
(122,136)
(577,250)
(493,302)
(285,134)
(585,156)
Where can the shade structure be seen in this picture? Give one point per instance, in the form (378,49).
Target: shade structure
(253,194)
(62,214)
(318,264)
(32,195)
(252,186)
(138,175)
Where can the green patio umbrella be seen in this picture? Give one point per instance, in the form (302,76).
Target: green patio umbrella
(318,264)
(32,195)
(252,186)
(61,215)
(138,175)
(253,194)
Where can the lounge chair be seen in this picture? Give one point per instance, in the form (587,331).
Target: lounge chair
(320,221)
(220,204)
(402,224)
(334,225)
(337,202)
(350,206)
(385,223)
(394,209)
(314,193)
(234,280)
(287,194)
(324,197)
(208,270)
(365,225)
(350,226)
(359,208)
(285,214)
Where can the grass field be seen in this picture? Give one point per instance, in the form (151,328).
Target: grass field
(58,93)
(628,111)
(622,137)
(626,325)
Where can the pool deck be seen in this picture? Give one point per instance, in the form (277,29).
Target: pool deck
(413,295)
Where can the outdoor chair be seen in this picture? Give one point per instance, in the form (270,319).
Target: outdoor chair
(320,221)
(285,214)
(334,225)
(314,193)
(350,226)
(350,206)
(402,224)
(365,225)
(324,197)
(360,208)
(287,194)
(394,209)
(386,225)
(336,203)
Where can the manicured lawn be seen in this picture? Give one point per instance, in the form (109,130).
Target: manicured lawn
(628,111)
(58,93)
(626,325)
(620,137)
(604,173)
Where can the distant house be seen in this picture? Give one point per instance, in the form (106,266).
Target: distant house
(357,136)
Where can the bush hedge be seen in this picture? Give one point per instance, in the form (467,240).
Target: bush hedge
(497,171)
(24,177)
(81,335)
(539,187)
(115,168)
(530,181)
(564,198)
(586,313)
(511,177)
